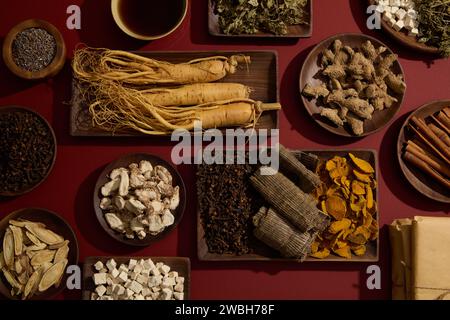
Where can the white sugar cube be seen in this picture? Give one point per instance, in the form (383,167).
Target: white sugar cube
(100,278)
(111,264)
(414,32)
(400,14)
(399,25)
(98,266)
(100,290)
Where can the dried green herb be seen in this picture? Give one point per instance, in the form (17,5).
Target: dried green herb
(251,16)
(434,24)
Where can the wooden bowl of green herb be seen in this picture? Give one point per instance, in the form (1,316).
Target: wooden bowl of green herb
(34,49)
(228,18)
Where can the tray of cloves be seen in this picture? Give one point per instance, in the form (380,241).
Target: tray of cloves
(321,205)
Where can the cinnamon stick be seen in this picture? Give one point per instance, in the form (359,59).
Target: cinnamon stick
(438,166)
(434,139)
(427,169)
(444,119)
(425,150)
(429,144)
(437,121)
(440,134)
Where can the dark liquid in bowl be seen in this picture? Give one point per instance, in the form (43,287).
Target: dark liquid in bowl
(151,17)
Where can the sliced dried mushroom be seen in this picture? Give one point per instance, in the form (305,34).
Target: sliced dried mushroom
(61,254)
(110,187)
(32,238)
(42,257)
(32,284)
(8,248)
(52,275)
(45,235)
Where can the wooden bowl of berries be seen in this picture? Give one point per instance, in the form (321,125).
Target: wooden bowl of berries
(34,49)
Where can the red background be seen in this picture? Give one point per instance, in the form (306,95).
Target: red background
(69,188)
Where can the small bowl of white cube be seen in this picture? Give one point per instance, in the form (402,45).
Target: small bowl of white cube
(136,278)
(139,198)
(399,18)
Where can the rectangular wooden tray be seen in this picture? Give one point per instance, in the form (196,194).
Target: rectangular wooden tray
(297,31)
(261,75)
(264,253)
(178,264)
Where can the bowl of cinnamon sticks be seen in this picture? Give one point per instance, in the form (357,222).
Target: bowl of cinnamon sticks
(424,150)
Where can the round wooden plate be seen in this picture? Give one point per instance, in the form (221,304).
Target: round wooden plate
(309,73)
(419,180)
(403,38)
(125,161)
(53,222)
(53,68)
(7,109)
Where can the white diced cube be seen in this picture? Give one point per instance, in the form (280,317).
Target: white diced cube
(136,287)
(166,294)
(179,287)
(156,289)
(146,292)
(123,268)
(395,3)
(164,269)
(146,272)
(111,264)
(103,270)
(178,295)
(154,281)
(142,279)
(399,25)
(100,290)
(139,297)
(387,16)
(414,32)
(168,282)
(115,273)
(412,14)
(394,9)
(137,269)
(98,266)
(132,264)
(109,281)
(400,14)
(127,284)
(134,275)
(100,278)
(148,298)
(180,280)
(109,290)
(148,264)
(121,290)
(123,276)
(155,271)
(155,295)
(129,293)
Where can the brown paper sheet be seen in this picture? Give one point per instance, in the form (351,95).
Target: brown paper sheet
(431,258)
(400,238)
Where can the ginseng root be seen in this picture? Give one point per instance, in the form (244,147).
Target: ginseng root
(90,65)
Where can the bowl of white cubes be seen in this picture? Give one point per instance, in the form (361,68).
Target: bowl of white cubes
(399,19)
(136,278)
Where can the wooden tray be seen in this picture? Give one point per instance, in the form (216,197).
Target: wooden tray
(181,265)
(125,161)
(261,76)
(419,180)
(264,253)
(295,31)
(53,222)
(309,75)
(403,38)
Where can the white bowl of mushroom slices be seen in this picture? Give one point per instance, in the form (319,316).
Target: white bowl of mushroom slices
(139,198)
